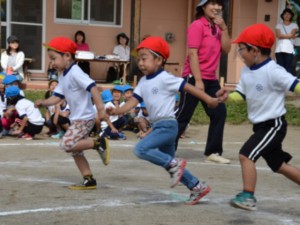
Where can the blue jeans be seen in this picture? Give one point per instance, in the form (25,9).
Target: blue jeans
(158,147)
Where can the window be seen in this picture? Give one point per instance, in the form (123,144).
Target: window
(99,12)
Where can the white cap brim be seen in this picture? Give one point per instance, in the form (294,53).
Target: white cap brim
(201,3)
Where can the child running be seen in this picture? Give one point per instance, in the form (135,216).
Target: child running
(157,88)
(262,85)
(77,88)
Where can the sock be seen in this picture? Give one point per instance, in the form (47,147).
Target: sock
(88,177)
(96,144)
(172,164)
(197,186)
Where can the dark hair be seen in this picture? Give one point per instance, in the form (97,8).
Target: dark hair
(264,51)
(81,33)
(61,53)
(200,12)
(14,99)
(12,39)
(287,10)
(123,35)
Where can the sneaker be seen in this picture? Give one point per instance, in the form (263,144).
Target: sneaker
(215,158)
(176,172)
(27,136)
(244,201)
(103,149)
(122,136)
(197,193)
(59,135)
(87,184)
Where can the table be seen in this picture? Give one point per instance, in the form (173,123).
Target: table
(119,63)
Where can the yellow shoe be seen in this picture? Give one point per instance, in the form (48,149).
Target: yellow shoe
(103,149)
(87,184)
(215,158)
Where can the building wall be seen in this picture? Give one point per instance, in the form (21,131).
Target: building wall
(157,18)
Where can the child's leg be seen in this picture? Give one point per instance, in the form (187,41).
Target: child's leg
(82,164)
(291,172)
(248,174)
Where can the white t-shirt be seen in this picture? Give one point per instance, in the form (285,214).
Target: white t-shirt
(158,92)
(264,89)
(26,107)
(123,53)
(2,105)
(112,119)
(285,45)
(74,85)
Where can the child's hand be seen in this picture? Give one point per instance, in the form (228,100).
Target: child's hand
(222,95)
(102,115)
(213,103)
(111,111)
(38,103)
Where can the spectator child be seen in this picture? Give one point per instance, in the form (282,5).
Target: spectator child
(31,121)
(50,110)
(60,118)
(142,121)
(111,127)
(130,115)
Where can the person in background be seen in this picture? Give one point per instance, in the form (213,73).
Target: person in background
(60,118)
(111,127)
(117,93)
(82,46)
(207,38)
(50,110)
(13,81)
(142,121)
(129,116)
(122,49)
(286,32)
(12,59)
(30,121)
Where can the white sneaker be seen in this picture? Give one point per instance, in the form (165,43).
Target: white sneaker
(215,158)
(176,172)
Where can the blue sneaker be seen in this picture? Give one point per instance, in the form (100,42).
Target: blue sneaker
(60,134)
(244,201)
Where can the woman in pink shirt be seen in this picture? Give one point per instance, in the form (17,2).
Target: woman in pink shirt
(207,37)
(82,46)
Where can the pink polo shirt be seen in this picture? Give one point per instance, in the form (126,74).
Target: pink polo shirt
(199,36)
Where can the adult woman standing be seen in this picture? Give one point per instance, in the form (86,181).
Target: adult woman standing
(207,37)
(12,59)
(82,46)
(286,32)
(122,49)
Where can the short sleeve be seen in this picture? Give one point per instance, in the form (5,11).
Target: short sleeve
(194,35)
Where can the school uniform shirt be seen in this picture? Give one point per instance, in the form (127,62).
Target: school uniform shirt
(74,85)
(2,104)
(112,118)
(263,87)
(158,92)
(26,108)
(285,45)
(200,36)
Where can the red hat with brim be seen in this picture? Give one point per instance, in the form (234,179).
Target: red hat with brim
(258,35)
(62,44)
(156,44)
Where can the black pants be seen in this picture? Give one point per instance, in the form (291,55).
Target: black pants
(187,106)
(85,66)
(285,60)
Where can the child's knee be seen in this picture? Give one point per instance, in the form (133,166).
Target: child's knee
(66,144)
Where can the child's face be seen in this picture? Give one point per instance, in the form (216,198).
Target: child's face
(59,62)
(248,57)
(14,45)
(147,62)
(52,86)
(116,95)
(128,94)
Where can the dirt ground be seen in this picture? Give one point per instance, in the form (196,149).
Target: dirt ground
(34,175)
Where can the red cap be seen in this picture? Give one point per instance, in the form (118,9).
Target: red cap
(156,44)
(62,44)
(258,35)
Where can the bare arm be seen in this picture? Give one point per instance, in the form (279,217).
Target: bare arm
(131,103)
(194,64)
(225,39)
(98,102)
(53,100)
(292,35)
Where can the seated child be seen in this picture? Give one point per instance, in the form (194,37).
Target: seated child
(117,93)
(31,121)
(110,127)
(50,109)
(142,121)
(130,115)
(11,80)
(60,119)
